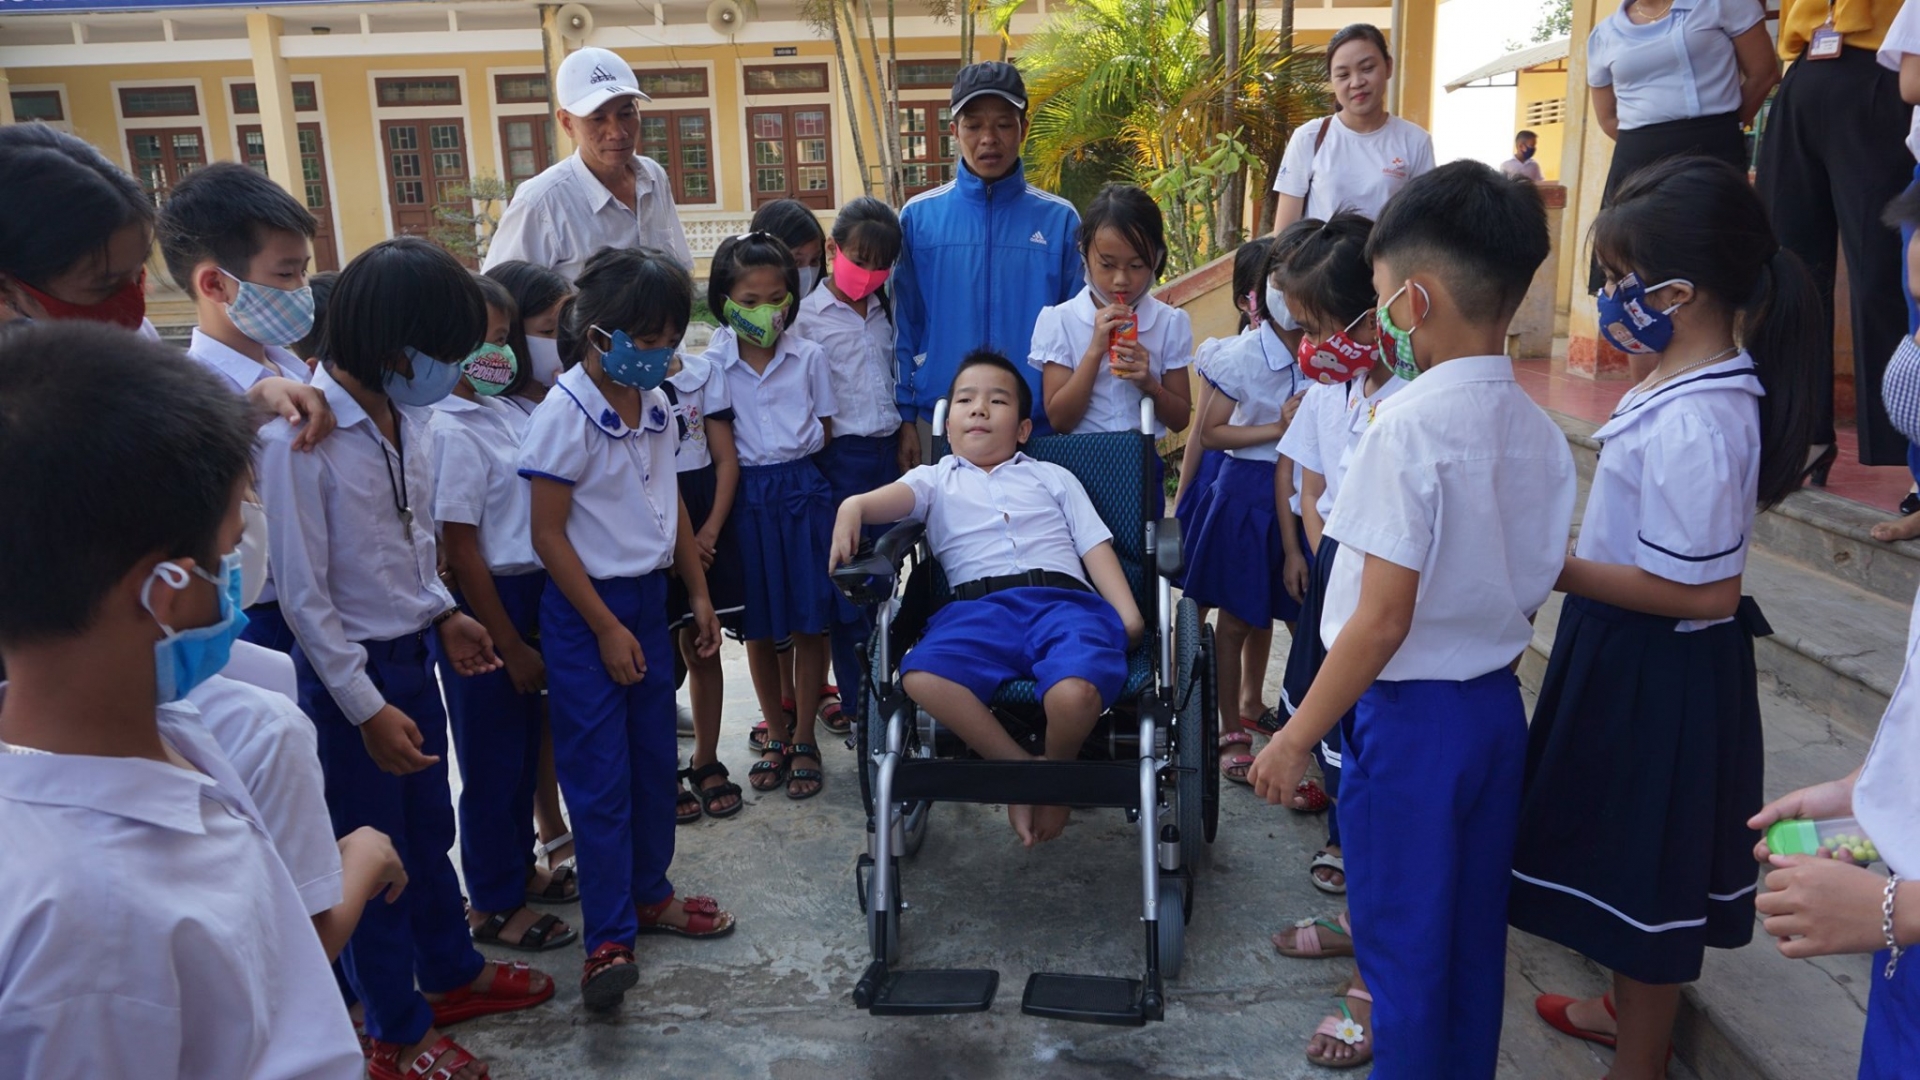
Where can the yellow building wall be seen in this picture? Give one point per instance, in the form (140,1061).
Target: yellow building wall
(1542,86)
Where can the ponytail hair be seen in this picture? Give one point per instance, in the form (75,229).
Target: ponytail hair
(1328,275)
(1699,219)
(1250,274)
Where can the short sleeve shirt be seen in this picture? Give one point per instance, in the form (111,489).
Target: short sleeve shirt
(1020,515)
(1352,170)
(859,351)
(1676,68)
(477,481)
(699,394)
(776,411)
(1061,334)
(1258,372)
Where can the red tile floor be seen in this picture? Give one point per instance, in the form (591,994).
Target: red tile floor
(1547,382)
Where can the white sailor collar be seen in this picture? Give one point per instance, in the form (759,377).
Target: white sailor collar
(579,386)
(1736,373)
(1087,308)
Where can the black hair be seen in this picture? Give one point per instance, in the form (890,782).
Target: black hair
(1697,218)
(793,223)
(1131,212)
(224,212)
(1250,273)
(64,200)
(1023,393)
(870,227)
(1278,252)
(737,255)
(1358,32)
(535,289)
(1327,272)
(1523,133)
(639,290)
(400,293)
(117,449)
(1483,233)
(322,285)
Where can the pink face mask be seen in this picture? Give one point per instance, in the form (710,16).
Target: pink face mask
(857,282)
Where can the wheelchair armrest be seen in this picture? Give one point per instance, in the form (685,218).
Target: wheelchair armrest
(1168,557)
(868,577)
(899,541)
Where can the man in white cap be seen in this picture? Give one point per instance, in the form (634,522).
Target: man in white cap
(604,195)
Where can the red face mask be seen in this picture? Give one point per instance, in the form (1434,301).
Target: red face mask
(126,308)
(1339,358)
(856,281)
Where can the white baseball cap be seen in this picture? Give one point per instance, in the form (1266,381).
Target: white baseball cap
(592,77)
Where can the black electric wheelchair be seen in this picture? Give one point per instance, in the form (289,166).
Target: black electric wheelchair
(1151,755)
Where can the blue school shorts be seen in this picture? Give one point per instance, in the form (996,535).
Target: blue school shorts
(1037,633)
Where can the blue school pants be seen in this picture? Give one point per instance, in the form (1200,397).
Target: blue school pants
(1890,1050)
(1430,805)
(423,935)
(616,751)
(496,733)
(267,628)
(854,465)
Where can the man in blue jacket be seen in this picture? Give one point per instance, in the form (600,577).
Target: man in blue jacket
(981,255)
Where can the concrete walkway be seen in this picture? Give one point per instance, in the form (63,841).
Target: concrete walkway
(773,1000)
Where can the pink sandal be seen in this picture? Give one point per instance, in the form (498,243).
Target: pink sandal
(1234,766)
(1346,1029)
(1306,939)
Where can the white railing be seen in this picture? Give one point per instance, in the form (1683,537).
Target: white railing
(705,231)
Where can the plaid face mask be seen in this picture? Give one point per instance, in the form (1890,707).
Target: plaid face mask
(271,316)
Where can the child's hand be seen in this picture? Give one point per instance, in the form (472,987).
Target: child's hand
(525,667)
(1131,361)
(1277,770)
(1296,575)
(620,652)
(846,536)
(468,645)
(706,626)
(1820,907)
(299,404)
(393,740)
(708,541)
(1292,406)
(1829,800)
(367,851)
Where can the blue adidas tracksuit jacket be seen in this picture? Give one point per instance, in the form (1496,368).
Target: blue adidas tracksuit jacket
(977,264)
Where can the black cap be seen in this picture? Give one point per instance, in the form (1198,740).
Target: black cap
(995,77)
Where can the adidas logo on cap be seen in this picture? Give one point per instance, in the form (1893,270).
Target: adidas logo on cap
(600,75)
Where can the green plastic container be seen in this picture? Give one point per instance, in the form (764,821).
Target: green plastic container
(1833,838)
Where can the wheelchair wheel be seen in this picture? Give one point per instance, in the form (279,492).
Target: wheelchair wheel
(1172,927)
(1210,732)
(1193,742)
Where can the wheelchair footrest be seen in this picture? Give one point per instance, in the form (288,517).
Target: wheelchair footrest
(1087,999)
(933,993)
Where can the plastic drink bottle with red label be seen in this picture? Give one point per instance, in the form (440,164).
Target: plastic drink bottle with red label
(1127,330)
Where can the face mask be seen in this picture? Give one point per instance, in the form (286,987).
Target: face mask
(1277,307)
(1629,324)
(1900,389)
(126,308)
(544,354)
(809,277)
(490,369)
(1397,344)
(759,325)
(432,380)
(1526,154)
(1339,358)
(271,316)
(856,281)
(186,658)
(253,552)
(629,364)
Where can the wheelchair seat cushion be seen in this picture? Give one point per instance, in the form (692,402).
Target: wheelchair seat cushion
(1037,635)
(1024,694)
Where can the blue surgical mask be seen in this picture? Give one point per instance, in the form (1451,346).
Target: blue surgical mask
(1629,323)
(186,658)
(629,364)
(432,380)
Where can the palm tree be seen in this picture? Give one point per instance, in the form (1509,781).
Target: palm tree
(1139,83)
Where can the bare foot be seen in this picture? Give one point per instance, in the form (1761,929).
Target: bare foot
(1590,1014)
(1021,818)
(1049,822)
(1889,532)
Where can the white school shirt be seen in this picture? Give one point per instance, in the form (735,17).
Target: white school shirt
(1061,334)
(1886,801)
(240,372)
(148,929)
(859,352)
(699,394)
(1465,480)
(1327,429)
(777,413)
(565,216)
(626,494)
(1020,515)
(477,481)
(1677,68)
(1257,371)
(1678,478)
(349,569)
(1903,38)
(276,753)
(1352,170)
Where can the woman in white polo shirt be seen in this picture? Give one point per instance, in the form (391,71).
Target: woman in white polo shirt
(1673,77)
(1358,157)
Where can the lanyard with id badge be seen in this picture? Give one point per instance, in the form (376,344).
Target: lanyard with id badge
(1825,44)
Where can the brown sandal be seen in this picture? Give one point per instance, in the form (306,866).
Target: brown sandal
(704,918)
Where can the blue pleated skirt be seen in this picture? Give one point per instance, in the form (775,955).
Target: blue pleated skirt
(783,522)
(1236,561)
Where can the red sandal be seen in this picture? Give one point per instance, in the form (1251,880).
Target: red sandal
(610,973)
(830,714)
(511,989)
(1313,798)
(441,1061)
(704,918)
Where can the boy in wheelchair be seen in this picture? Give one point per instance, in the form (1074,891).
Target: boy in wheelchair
(1040,593)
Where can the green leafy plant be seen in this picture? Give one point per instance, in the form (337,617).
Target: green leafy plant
(1188,191)
(467,232)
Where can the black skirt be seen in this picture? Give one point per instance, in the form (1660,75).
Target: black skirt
(1710,136)
(723,577)
(1644,762)
(1307,654)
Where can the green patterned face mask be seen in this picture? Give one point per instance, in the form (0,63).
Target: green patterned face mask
(760,325)
(1399,343)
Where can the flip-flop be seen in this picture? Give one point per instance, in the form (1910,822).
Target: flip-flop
(1347,1030)
(1307,944)
(1229,763)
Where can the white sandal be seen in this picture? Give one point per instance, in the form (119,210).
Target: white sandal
(1328,861)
